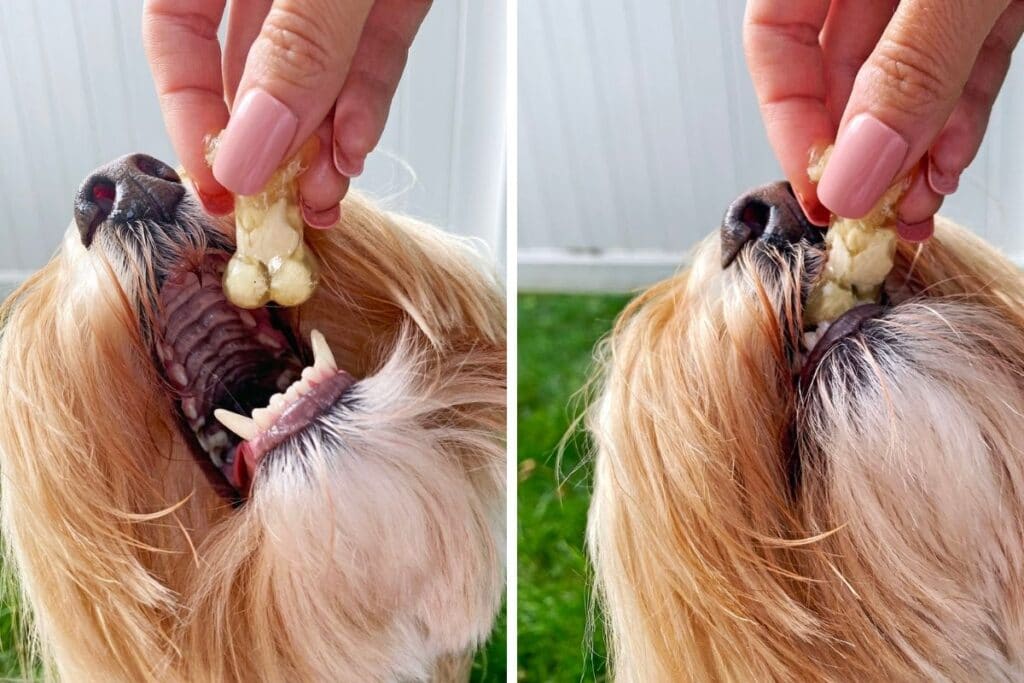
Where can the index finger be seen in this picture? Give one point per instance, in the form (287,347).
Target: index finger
(180,37)
(786,63)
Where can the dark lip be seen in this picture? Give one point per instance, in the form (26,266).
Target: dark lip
(845,326)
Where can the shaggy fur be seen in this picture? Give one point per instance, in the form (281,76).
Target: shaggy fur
(370,548)
(867,526)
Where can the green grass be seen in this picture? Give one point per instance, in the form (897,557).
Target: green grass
(557,334)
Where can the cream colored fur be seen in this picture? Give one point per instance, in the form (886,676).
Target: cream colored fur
(376,554)
(869,529)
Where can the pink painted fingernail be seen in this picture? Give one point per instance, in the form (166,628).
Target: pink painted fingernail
(220,204)
(866,159)
(346,166)
(321,220)
(943,183)
(254,144)
(916,232)
(815,212)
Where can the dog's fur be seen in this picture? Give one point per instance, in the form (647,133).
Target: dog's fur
(372,550)
(869,526)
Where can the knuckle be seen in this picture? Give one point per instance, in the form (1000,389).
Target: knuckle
(295,48)
(913,75)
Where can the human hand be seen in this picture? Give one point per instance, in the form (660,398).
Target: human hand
(898,85)
(290,69)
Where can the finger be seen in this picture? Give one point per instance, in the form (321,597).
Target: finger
(180,38)
(245,19)
(321,187)
(917,208)
(851,32)
(293,74)
(365,100)
(958,143)
(902,97)
(785,61)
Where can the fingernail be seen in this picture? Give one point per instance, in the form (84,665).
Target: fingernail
(253,146)
(815,212)
(864,163)
(943,183)
(220,204)
(321,220)
(916,232)
(345,166)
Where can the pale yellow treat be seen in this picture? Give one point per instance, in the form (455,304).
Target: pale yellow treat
(271,261)
(860,255)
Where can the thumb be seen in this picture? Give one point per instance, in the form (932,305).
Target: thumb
(903,96)
(293,74)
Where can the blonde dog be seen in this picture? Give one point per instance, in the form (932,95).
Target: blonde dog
(771,506)
(354,534)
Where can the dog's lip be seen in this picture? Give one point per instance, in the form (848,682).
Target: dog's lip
(843,327)
(295,418)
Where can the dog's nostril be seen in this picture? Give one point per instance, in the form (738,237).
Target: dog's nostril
(771,213)
(155,169)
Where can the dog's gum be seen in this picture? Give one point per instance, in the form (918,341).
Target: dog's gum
(860,254)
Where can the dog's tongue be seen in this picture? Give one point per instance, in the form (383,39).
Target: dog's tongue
(288,414)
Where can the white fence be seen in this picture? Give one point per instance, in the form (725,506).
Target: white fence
(638,125)
(75,92)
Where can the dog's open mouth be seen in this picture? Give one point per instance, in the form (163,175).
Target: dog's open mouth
(225,363)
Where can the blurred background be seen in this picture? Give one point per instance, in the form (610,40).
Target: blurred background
(637,126)
(75,92)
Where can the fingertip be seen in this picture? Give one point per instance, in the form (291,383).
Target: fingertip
(321,220)
(941,181)
(216,202)
(814,210)
(916,232)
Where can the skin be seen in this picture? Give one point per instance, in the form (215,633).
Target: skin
(334,63)
(931,70)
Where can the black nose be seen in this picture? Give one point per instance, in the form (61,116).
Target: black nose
(131,188)
(770,213)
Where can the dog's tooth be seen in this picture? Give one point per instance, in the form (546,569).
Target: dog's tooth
(310,375)
(239,424)
(277,402)
(190,407)
(247,318)
(284,380)
(176,371)
(270,341)
(322,356)
(262,417)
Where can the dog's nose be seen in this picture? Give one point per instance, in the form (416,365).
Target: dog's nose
(131,188)
(770,213)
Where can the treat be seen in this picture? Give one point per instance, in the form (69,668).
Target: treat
(271,260)
(860,255)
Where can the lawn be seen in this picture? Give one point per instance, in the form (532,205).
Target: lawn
(557,334)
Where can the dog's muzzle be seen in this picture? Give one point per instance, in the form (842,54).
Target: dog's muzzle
(131,188)
(770,214)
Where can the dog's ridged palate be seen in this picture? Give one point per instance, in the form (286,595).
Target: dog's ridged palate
(361,536)
(853,512)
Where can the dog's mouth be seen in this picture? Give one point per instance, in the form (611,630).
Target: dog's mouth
(818,343)
(224,363)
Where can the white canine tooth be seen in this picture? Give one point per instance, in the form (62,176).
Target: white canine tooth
(322,356)
(262,417)
(239,424)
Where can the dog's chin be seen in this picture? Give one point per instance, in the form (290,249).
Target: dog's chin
(770,505)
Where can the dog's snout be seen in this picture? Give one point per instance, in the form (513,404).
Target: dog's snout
(134,187)
(770,213)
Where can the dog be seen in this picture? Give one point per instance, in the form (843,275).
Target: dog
(775,504)
(356,533)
